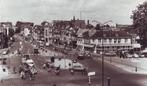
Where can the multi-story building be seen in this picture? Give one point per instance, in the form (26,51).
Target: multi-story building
(48,32)
(6,32)
(6,28)
(38,32)
(21,26)
(3,40)
(107,40)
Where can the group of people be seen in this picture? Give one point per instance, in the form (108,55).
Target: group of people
(27,71)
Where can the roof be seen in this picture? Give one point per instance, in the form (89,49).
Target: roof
(7,24)
(106,34)
(88,34)
(79,23)
(24,24)
(81,31)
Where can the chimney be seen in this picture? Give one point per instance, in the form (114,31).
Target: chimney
(73,18)
(87,22)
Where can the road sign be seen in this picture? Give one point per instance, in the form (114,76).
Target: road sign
(91,73)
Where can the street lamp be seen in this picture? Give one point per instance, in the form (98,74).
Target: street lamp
(102,24)
(103,52)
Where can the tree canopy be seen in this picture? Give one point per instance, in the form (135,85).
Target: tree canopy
(139,17)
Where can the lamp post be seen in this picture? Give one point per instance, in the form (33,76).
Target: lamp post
(102,24)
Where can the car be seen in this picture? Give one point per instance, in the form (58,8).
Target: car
(47,44)
(128,55)
(87,54)
(5,52)
(135,55)
(78,67)
(110,53)
(80,57)
(25,58)
(30,62)
(36,51)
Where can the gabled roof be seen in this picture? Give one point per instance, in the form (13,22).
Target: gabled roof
(110,34)
(80,32)
(9,24)
(24,24)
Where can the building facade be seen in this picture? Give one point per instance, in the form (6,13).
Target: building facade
(106,41)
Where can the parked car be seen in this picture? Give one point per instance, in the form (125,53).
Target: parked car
(83,55)
(136,55)
(5,52)
(78,67)
(80,57)
(127,55)
(110,53)
(36,51)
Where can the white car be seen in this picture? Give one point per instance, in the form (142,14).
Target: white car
(129,55)
(78,67)
(30,62)
(5,52)
(136,55)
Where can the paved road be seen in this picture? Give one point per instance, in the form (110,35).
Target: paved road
(118,76)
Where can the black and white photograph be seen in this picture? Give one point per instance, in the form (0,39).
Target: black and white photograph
(73,42)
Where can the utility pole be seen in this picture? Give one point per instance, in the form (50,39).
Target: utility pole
(80,15)
(102,58)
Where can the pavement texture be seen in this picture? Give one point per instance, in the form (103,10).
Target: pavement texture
(128,64)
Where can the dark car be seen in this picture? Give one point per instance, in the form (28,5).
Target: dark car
(36,51)
(84,55)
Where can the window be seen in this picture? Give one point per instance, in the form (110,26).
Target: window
(110,40)
(99,40)
(46,32)
(126,40)
(115,40)
(119,40)
(104,40)
(86,41)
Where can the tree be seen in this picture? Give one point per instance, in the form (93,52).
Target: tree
(98,27)
(139,17)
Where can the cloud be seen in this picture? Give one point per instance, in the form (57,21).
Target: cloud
(38,10)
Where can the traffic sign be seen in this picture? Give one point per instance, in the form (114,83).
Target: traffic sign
(91,73)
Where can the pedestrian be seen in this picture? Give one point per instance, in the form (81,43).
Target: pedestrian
(72,71)
(22,75)
(44,65)
(57,71)
(31,75)
(69,64)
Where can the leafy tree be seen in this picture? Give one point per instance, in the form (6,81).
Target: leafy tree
(98,27)
(139,17)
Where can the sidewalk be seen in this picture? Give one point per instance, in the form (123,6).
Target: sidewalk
(132,65)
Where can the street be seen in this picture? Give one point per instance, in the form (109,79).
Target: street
(118,76)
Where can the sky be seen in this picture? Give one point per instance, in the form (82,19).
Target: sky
(119,11)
